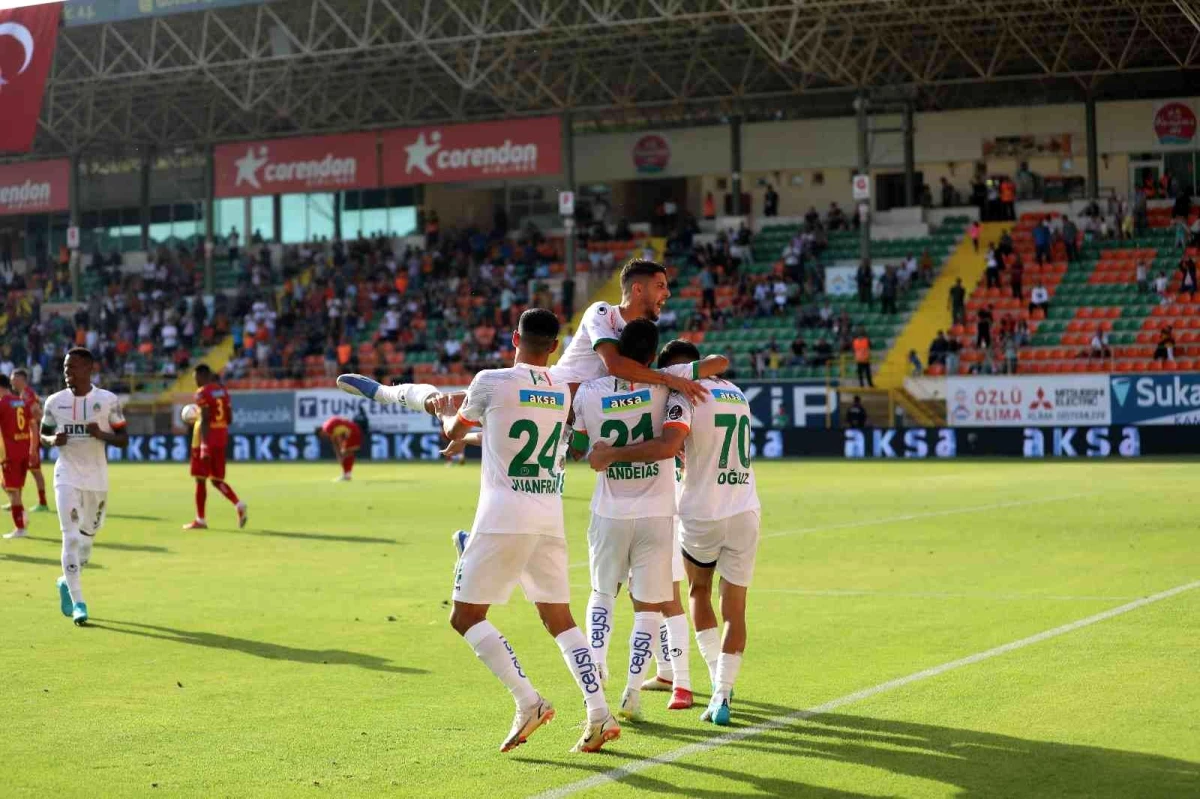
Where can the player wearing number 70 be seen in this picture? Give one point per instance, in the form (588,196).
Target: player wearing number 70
(718,513)
(518,534)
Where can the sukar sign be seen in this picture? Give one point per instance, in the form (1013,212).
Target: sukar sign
(1156,399)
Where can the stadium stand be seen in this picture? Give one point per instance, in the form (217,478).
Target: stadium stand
(1099,291)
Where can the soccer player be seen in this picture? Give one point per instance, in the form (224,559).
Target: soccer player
(633,515)
(15,422)
(82,421)
(517,536)
(33,408)
(346,437)
(210,437)
(719,513)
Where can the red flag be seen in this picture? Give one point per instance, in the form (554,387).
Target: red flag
(27,39)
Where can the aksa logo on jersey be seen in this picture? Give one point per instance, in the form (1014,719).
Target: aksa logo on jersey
(551,400)
(728,397)
(626,402)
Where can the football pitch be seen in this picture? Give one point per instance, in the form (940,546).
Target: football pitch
(916,629)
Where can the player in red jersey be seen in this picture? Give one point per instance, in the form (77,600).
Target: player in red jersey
(33,406)
(14,451)
(210,435)
(346,437)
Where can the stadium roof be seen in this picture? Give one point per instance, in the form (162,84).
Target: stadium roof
(307,66)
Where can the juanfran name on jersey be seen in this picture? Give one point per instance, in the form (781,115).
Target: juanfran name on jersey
(534,398)
(541,485)
(632,401)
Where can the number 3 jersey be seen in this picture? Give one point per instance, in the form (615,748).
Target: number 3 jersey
(83,461)
(523,413)
(718,481)
(622,414)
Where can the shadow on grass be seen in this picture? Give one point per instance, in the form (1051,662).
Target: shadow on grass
(36,561)
(116,546)
(137,518)
(975,763)
(341,539)
(260,649)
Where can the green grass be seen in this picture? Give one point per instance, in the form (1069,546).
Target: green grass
(310,653)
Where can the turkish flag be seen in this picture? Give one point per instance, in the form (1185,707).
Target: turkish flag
(27,39)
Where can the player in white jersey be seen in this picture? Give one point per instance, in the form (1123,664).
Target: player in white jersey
(518,535)
(82,421)
(592,353)
(631,535)
(719,514)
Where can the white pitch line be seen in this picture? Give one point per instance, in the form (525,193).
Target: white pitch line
(908,517)
(614,775)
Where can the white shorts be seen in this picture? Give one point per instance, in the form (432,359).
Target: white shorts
(80,511)
(637,549)
(677,572)
(729,544)
(493,564)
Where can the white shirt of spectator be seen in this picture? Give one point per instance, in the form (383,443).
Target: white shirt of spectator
(170,336)
(579,362)
(1160,284)
(781,293)
(144,328)
(1099,341)
(1039,295)
(518,406)
(453,347)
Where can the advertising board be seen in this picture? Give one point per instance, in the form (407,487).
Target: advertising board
(1024,400)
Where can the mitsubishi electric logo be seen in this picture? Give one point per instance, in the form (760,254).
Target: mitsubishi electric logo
(325,171)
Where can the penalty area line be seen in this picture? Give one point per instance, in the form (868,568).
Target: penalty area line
(638,766)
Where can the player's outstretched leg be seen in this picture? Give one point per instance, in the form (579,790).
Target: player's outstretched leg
(470,621)
(227,491)
(602,726)
(413,396)
(599,630)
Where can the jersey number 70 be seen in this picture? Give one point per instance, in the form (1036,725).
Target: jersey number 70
(731,422)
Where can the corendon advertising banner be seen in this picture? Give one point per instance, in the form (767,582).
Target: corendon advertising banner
(27,38)
(448,153)
(35,187)
(282,166)
(1019,400)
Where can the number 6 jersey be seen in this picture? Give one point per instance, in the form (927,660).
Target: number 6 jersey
(718,481)
(523,413)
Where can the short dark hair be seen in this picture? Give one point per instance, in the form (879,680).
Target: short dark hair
(203,369)
(21,372)
(81,352)
(539,329)
(638,268)
(639,341)
(677,352)
(5,383)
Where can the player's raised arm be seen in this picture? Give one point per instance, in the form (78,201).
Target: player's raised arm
(119,437)
(627,369)
(661,448)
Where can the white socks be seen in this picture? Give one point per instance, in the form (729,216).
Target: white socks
(727,671)
(599,627)
(578,655)
(675,632)
(72,563)
(662,655)
(641,647)
(709,642)
(410,395)
(497,655)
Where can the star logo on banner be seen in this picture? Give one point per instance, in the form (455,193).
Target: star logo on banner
(248,166)
(420,150)
(24,38)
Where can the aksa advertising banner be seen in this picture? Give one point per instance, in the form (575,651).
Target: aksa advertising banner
(282,166)
(1020,400)
(516,148)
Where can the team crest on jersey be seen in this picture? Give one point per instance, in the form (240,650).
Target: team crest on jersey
(617,403)
(552,400)
(96,408)
(676,412)
(602,310)
(538,377)
(728,397)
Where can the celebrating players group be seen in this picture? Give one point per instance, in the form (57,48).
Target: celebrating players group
(652,522)
(674,495)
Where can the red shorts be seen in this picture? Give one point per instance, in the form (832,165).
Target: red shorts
(15,471)
(211,467)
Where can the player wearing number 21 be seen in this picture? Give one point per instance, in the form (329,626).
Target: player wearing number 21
(517,536)
(718,514)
